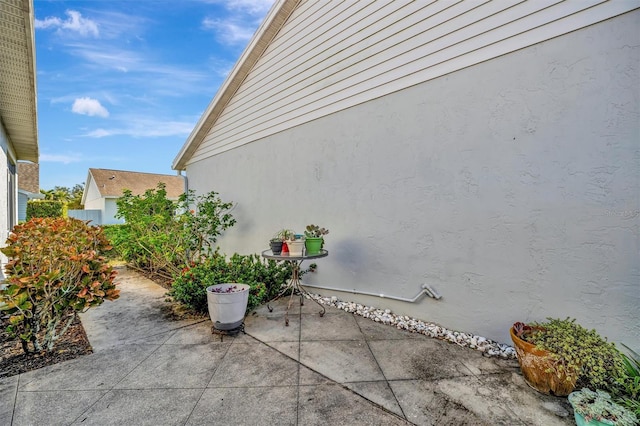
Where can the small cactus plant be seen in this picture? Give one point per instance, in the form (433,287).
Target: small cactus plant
(314,231)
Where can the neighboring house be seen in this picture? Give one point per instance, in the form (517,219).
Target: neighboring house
(28,187)
(18,116)
(104,187)
(488,150)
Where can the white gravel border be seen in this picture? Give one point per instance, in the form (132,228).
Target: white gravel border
(467,340)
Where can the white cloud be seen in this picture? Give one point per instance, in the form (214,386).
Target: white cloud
(74,22)
(49,22)
(230,31)
(90,107)
(99,133)
(252,7)
(242,19)
(146,128)
(61,158)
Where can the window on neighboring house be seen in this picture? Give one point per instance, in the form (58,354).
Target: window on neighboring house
(11,195)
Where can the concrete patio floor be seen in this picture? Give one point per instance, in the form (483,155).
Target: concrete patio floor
(338,369)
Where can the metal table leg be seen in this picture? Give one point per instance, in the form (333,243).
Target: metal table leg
(295,286)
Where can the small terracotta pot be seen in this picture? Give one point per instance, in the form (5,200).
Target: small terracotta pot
(534,364)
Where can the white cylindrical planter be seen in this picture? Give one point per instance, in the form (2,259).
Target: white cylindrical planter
(295,247)
(227,309)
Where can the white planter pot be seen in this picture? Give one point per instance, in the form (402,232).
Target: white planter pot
(295,247)
(227,309)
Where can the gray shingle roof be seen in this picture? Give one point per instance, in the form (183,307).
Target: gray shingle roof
(112,183)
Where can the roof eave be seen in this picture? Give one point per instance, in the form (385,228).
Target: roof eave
(32,153)
(86,187)
(271,25)
(26,144)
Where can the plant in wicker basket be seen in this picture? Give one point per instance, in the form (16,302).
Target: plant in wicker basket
(558,354)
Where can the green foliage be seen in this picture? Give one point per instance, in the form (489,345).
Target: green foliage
(283,235)
(44,208)
(55,271)
(264,277)
(599,406)
(118,236)
(575,349)
(71,197)
(628,393)
(162,235)
(314,231)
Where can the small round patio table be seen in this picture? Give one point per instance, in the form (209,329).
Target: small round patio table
(294,284)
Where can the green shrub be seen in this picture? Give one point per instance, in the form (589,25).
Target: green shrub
(628,393)
(119,236)
(44,208)
(163,235)
(264,277)
(55,271)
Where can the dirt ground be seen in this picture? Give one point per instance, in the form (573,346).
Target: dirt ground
(14,361)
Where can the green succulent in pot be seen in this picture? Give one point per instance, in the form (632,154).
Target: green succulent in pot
(314,231)
(597,408)
(284,235)
(314,240)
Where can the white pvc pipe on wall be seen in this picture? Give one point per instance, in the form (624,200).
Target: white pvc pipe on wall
(425,290)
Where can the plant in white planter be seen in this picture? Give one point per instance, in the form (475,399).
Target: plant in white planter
(296,245)
(597,408)
(227,304)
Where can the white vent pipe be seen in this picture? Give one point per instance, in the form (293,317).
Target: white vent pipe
(426,289)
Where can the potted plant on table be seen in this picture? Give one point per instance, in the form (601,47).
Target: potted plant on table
(277,241)
(314,240)
(556,354)
(598,409)
(295,244)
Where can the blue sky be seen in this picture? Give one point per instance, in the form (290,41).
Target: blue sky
(121,84)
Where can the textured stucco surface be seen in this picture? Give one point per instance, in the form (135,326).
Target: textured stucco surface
(512,188)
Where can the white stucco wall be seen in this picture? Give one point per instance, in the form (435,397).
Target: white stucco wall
(93,199)
(6,155)
(95,204)
(109,213)
(512,187)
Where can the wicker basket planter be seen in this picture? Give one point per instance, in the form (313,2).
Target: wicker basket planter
(536,366)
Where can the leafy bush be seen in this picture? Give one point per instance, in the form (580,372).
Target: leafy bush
(162,235)
(119,237)
(628,394)
(264,277)
(44,208)
(596,362)
(55,271)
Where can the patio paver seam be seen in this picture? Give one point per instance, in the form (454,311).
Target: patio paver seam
(404,415)
(213,373)
(15,399)
(298,363)
(194,406)
(87,410)
(373,403)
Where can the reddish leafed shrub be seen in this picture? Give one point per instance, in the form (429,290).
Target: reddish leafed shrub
(55,270)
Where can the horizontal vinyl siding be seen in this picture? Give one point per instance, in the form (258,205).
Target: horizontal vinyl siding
(332,55)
